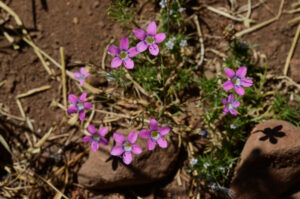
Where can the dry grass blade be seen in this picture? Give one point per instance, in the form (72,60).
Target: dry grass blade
(12,116)
(258,26)
(52,186)
(289,57)
(44,138)
(63,74)
(21,109)
(4,143)
(293,21)
(34,91)
(2,83)
(225,14)
(196,20)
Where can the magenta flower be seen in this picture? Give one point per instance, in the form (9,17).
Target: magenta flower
(149,39)
(126,146)
(237,80)
(123,54)
(155,135)
(81,76)
(230,105)
(79,105)
(96,137)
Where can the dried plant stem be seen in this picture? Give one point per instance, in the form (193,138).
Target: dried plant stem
(12,116)
(225,14)
(52,186)
(289,57)
(258,26)
(293,21)
(34,91)
(63,74)
(196,20)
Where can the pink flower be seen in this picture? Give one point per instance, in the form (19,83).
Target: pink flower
(123,54)
(155,135)
(126,146)
(149,39)
(79,105)
(81,76)
(230,105)
(237,80)
(96,137)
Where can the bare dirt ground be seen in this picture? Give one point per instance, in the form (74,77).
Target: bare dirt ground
(84,30)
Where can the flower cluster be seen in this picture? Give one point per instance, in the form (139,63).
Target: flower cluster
(148,40)
(237,81)
(123,55)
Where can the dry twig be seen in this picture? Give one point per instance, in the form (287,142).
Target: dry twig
(289,57)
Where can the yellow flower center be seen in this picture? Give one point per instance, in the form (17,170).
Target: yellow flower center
(96,137)
(127,146)
(155,135)
(150,40)
(123,54)
(236,81)
(80,105)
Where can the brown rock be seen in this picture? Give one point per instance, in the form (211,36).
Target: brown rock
(102,171)
(269,165)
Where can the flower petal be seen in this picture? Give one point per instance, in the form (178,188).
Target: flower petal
(128,63)
(164,131)
(116,150)
(242,71)
(82,82)
(228,85)
(87,139)
(124,43)
(103,141)
(162,142)
(151,29)
(76,75)
(225,110)
(230,98)
(83,96)
(239,90)
(116,62)
(92,129)
(140,34)
(132,137)
(72,109)
(102,131)
(132,52)
(246,82)
(151,144)
(127,157)
(73,99)
(141,46)
(87,105)
(82,70)
(236,104)
(154,49)
(136,149)
(153,125)
(233,112)
(119,138)
(160,37)
(113,50)
(145,133)
(95,146)
(81,115)
(86,75)
(224,101)
(229,72)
